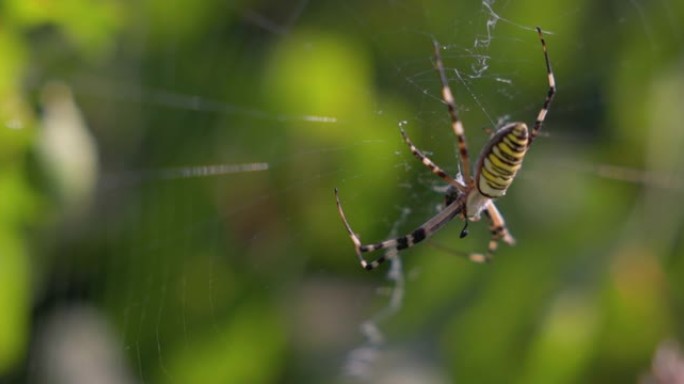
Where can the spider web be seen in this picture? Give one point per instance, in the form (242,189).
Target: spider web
(205,245)
(362,363)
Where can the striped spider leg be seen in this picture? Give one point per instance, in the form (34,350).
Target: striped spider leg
(467,196)
(419,234)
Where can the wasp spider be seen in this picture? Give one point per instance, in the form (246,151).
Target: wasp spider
(467,197)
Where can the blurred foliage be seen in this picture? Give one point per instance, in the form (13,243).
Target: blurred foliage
(250,276)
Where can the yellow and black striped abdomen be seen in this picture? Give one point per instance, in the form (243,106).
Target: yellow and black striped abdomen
(500,159)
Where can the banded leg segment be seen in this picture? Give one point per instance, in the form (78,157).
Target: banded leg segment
(499,232)
(434,168)
(416,236)
(549,96)
(456,124)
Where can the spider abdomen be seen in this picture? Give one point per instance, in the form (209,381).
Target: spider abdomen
(501,159)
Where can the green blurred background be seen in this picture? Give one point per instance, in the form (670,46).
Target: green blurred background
(142,240)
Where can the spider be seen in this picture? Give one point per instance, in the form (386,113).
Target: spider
(467,197)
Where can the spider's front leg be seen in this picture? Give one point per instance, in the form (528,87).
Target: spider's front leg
(416,236)
(499,233)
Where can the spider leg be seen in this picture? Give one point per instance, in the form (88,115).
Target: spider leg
(499,224)
(434,168)
(499,232)
(456,124)
(549,96)
(419,234)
